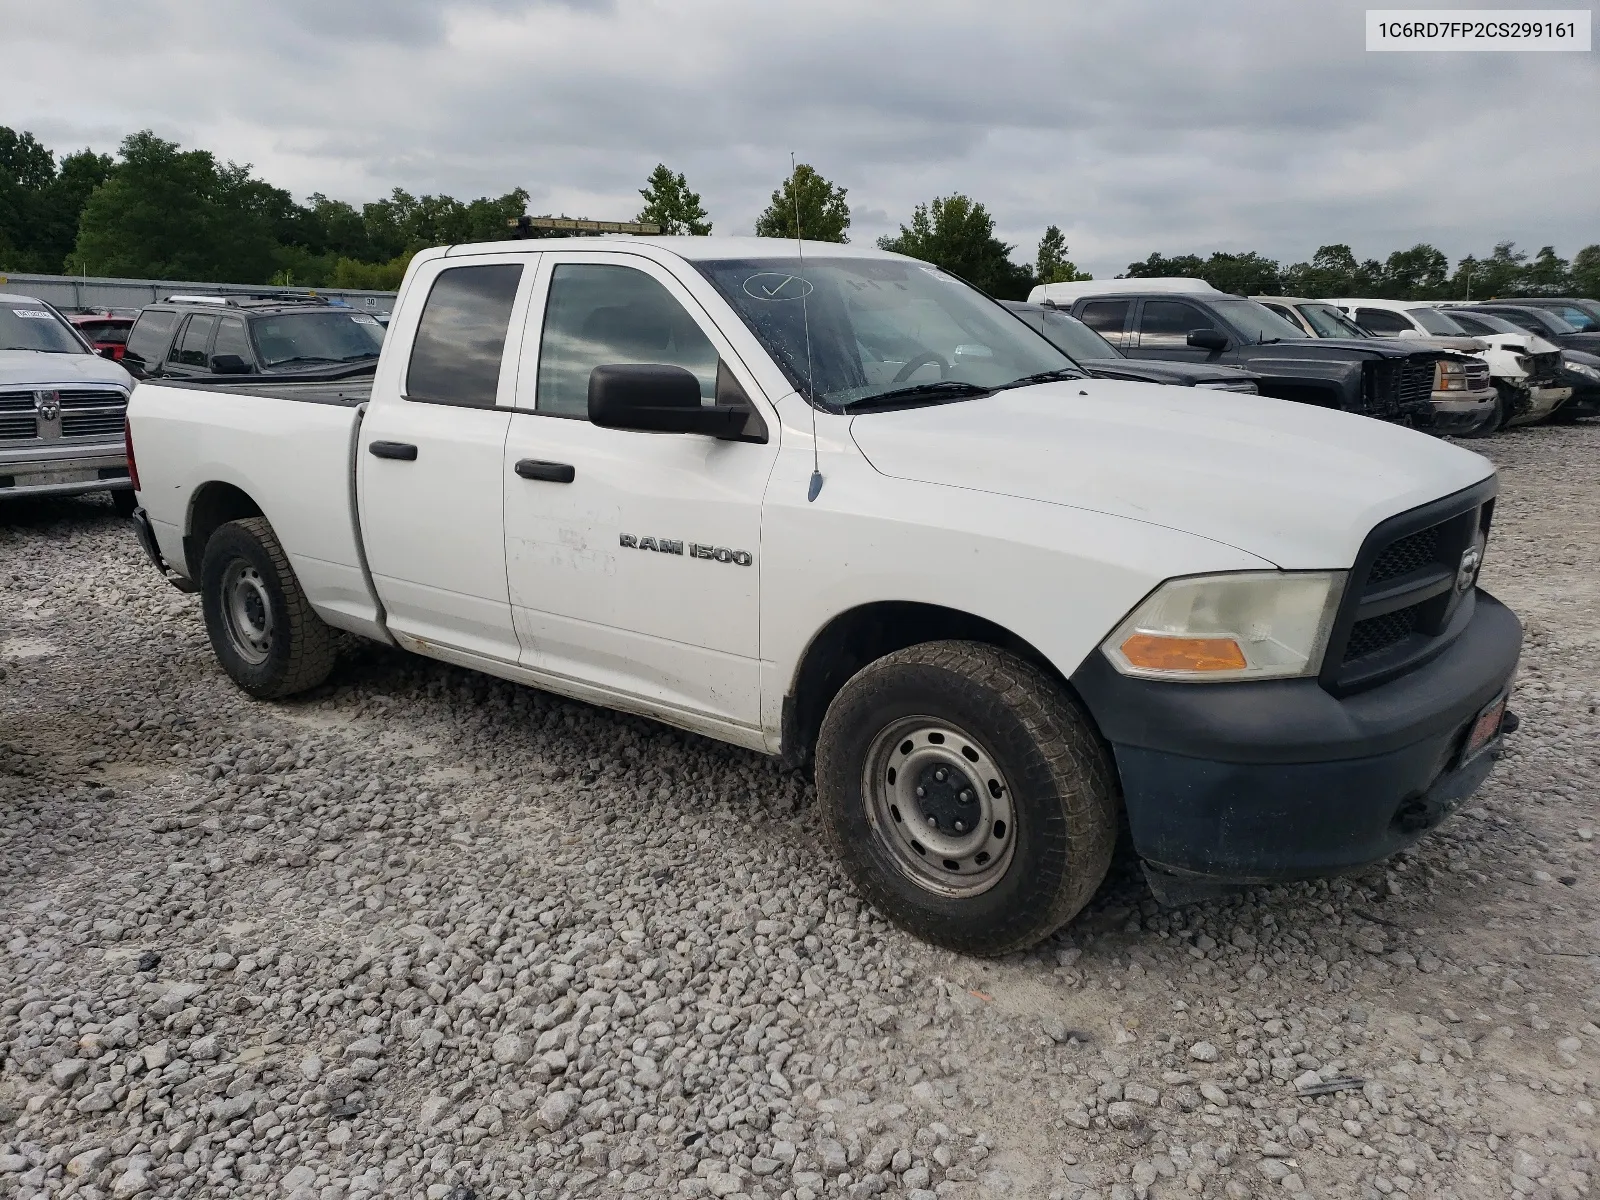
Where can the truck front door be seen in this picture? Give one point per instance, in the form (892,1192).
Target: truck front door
(430,452)
(634,559)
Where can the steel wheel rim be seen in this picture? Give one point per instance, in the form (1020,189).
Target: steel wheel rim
(247,612)
(942,842)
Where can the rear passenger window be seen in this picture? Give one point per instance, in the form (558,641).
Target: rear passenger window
(462,335)
(1381,321)
(602,316)
(231,339)
(190,350)
(147,343)
(1107,317)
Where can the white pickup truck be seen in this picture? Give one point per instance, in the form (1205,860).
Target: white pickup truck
(845,509)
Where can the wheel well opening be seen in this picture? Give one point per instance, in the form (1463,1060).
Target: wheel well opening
(863,635)
(213,505)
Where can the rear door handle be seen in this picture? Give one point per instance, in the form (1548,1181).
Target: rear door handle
(401,450)
(550,472)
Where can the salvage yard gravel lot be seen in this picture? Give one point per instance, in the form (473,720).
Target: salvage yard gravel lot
(421,933)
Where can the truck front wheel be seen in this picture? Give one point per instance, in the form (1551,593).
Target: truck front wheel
(966,795)
(261,625)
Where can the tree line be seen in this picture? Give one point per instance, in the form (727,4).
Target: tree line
(156,210)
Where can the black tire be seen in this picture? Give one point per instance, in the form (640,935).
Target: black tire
(296,652)
(1059,785)
(1496,420)
(124,501)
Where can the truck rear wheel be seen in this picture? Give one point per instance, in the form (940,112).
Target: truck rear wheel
(261,625)
(966,795)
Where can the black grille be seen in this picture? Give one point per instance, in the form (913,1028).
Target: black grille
(14,402)
(88,424)
(1412,553)
(1477,376)
(1400,389)
(16,426)
(1379,633)
(1402,602)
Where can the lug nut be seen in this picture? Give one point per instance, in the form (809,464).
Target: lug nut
(921,792)
(934,821)
(960,828)
(966,797)
(939,774)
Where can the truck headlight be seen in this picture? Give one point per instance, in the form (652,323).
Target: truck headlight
(1583,369)
(1212,628)
(1451,377)
(1247,387)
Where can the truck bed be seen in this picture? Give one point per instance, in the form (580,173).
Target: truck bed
(286,445)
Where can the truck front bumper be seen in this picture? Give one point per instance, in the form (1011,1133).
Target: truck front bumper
(63,470)
(1251,782)
(1460,412)
(1540,403)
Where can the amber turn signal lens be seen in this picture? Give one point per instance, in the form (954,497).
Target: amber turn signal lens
(1151,652)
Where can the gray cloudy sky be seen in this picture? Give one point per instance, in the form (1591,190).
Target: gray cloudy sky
(1137,125)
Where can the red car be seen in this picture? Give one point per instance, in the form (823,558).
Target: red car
(104,333)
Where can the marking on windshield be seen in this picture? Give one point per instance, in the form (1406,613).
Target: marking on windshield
(774,285)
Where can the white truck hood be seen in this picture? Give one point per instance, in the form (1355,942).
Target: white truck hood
(1296,485)
(38,369)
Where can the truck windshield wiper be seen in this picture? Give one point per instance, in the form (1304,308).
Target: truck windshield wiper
(945,389)
(303,358)
(1044,377)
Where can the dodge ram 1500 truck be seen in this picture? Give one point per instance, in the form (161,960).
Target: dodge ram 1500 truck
(833,504)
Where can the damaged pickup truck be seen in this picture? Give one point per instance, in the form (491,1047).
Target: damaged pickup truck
(847,510)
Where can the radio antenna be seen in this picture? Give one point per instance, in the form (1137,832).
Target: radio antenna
(815,488)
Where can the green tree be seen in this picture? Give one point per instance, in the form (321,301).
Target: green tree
(1420,273)
(1585,272)
(27,170)
(1498,275)
(956,233)
(1547,275)
(823,214)
(176,214)
(1051,264)
(1332,272)
(669,203)
(1247,273)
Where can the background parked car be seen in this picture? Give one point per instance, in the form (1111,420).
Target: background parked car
(1526,369)
(61,409)
(1187,320)
(1104,361)
(192,336)
(1465,400)
(106,333)
(1552,327)
(1580,313)
(1579,370)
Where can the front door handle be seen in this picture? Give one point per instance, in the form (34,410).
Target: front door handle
(550,472)
(404,451)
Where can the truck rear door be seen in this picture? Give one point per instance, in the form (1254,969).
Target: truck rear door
(430,455)
(633,558)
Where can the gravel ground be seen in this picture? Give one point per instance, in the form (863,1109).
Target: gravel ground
(422,933)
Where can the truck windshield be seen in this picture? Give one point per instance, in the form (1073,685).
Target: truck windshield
(1329,322)
(851,331)
(1435,321)
(310,338)
(1255,322)
(28,325)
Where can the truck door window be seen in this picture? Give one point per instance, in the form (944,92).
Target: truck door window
(147,342)
(1107,318)
(1166,324)
(1381,321)
(607,315)
(462,335)
(190,348)
(232,339)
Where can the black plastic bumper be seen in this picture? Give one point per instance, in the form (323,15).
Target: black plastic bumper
(1245,782)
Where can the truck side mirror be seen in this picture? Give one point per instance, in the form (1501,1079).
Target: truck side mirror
(657,398)
(229,364)
(1213,340)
